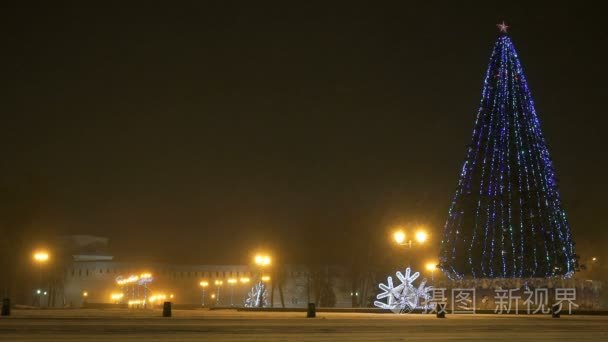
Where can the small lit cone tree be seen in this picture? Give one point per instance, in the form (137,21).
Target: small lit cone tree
(506,219)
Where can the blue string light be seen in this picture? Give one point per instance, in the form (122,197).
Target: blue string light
(506,219)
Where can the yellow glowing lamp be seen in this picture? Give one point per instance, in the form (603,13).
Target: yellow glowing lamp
(204,283)
(116,296)
(399,237)
(421,236)
(41,256)
(265,278)
(262,260)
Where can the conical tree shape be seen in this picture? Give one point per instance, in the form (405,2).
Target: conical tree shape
(506,219)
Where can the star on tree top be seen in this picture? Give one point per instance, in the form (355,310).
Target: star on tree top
(502,27)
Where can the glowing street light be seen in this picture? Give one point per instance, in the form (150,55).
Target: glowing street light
(232,282)
(245,280)
(85,294)
(41,257)
(203,284)
(262,260)
(399,237)
(218,284)
(156,298)
(421,236)
(116,297)
(431,266)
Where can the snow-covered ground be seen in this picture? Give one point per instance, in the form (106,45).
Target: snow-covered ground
(229,325)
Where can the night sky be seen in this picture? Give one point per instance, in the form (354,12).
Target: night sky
(198,131)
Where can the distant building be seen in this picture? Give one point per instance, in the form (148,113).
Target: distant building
(91,277)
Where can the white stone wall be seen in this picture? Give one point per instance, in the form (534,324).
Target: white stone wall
(98,280)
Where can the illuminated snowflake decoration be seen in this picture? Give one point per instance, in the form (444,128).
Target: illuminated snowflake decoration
(257,297)
(405,297)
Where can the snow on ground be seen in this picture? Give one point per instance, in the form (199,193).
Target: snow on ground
(229,325)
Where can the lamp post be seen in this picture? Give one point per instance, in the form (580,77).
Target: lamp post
(401,239)
(144,280)
(203,284)
(421,236)
(231,282)
(431,266)
(218,284)
(41,257)
(263,261)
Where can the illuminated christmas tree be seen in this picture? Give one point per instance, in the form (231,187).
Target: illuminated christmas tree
(506,219)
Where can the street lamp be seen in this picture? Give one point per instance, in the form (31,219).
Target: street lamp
(203,284)
(431,266)
(218,284)
(262,260)
(421,236)
(116,297)
(399,237)
(41,257)
(232,282)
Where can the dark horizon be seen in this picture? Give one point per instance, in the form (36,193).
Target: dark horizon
(202,132)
